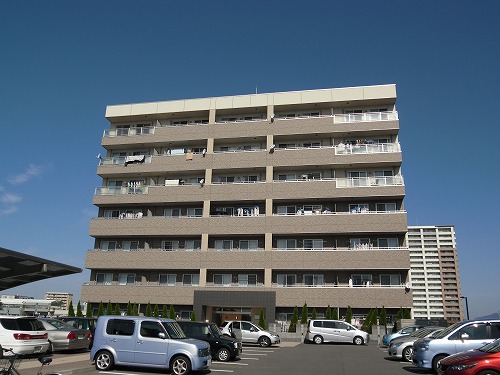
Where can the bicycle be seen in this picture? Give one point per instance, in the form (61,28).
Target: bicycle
(9,364)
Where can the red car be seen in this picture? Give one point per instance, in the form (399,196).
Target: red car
(482,361)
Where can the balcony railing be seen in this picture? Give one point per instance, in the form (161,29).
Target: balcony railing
(341,183)
(349,117)
(125,132)
(373,148)
(125,160)
(142,249)
(369,181)
(336,285)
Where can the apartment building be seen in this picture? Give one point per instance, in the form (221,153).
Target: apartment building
(434,273)
(64,300)
(227,206)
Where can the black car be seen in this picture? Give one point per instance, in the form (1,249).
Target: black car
(223,348)
(82,323)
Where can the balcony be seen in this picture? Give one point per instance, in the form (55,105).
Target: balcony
(127,132)
(370,181)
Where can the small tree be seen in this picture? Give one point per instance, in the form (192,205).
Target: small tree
(109,308)
(383,318)
(406,314)
(348,315)
(129,311)
(89,310)
(262,320)
(164,311)
(313,315)
(100,310)
(79,310)
(335,313)
(71,310)
(171,312)
(295,319)
(118,311)
(328,313)
(305,313)
(149,311)
(156,311)
(135,310)
(193,316)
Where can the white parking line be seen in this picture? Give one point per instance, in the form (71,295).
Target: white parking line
(248,358)
(230,363)
(262,354)
(215,370)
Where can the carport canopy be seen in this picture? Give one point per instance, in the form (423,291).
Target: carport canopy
(18,269)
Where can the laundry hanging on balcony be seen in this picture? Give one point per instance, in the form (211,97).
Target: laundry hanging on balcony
(134,159)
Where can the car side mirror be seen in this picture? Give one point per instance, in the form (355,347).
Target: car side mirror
(162,335)
(209,335)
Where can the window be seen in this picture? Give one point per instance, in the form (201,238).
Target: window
(172,212)
(170,245)
(385,207)
(126,278)
(390,279)
(285,244)
(191,279)
(150,329)
(250,178)
(111,213)
(310,244)
(246,279)
(224,279)
(286,210)
(223,245)
(476,331)
(195,212)
(109,245)
(249,244)
(388,242)
(104,278)
(361,279)
(121,327)
(226,179)
(130,245)
(286,280)
(313,280)
(167,279)
(190,245)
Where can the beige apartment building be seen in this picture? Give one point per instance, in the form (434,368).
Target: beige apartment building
(227,206)
(434,273)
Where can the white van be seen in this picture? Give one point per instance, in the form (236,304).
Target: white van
(23,334)
(326,330)
(147,342)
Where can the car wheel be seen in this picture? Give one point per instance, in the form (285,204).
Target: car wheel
(358,340)
(408,354)
(50,349)
(180,365)
(488,372)
(264,341)
(435,362)
(318,339)
(104,361)
(223,355)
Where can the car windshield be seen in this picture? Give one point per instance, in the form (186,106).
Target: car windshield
(434,334)
(215,330)
(174,330)
(58,324)
(492,347)
(448,330)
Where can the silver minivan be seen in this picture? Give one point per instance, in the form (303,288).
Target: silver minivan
(459,337)
(147,342)
(326,330)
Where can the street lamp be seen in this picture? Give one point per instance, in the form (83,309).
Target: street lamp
(466,306)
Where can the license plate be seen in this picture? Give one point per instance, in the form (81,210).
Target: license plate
(81,337)
(209,361)
(37,349)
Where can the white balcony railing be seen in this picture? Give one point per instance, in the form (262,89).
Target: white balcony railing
(373,148)
(125,160)
(119,190)
(370,181)
(125,132)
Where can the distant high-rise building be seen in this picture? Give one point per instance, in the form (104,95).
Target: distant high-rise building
(434,273)
(65,300)
(227,206)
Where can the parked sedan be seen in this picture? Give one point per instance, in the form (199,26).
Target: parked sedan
(402,347)
(62,336)
(485,360)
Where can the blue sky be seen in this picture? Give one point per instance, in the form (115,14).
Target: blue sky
(62,62)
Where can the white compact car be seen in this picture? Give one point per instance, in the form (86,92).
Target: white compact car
(326,330)
(23,334)
(248,332)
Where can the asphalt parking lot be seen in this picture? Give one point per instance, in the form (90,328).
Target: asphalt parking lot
(287,358)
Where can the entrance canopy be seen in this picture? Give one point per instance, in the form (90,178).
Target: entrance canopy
(18,269)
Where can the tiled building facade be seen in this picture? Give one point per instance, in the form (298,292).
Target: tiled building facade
(227,206)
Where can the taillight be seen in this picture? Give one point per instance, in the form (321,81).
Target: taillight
(27,336)
(71,335)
